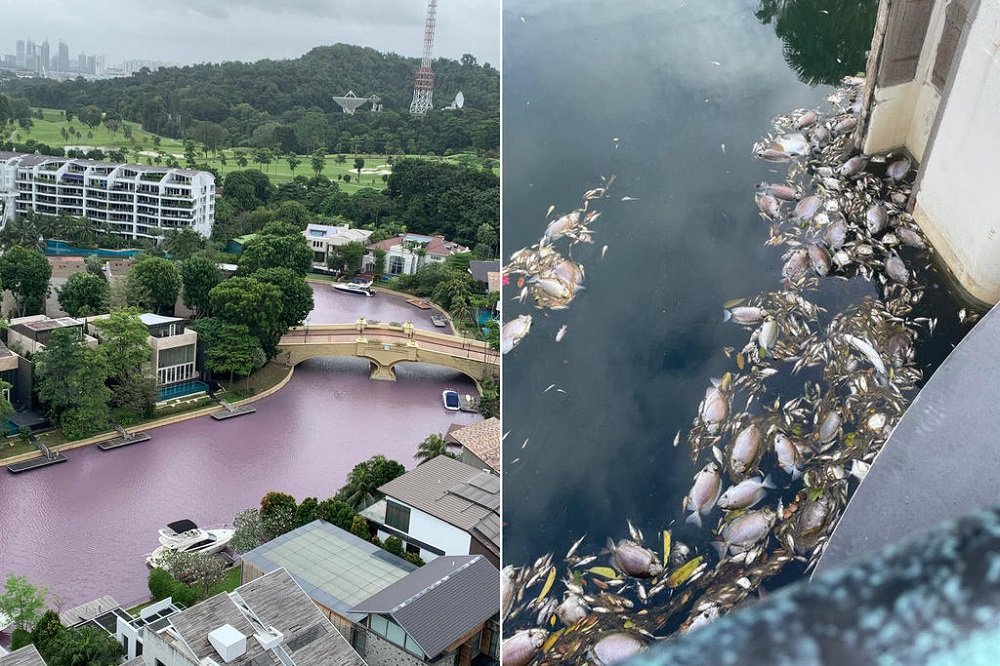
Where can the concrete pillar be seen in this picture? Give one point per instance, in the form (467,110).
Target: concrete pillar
(382,372)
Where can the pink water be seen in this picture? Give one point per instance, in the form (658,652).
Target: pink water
(83,527)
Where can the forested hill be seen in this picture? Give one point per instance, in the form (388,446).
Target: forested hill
(235,94)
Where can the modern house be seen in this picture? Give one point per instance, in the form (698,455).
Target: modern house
(487,272)
(28,335)
(407,252)
(446,611)
(324,238)
(442,507)
(132,200)
(480,444)
(268,621)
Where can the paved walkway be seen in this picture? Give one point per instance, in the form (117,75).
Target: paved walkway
(941,462)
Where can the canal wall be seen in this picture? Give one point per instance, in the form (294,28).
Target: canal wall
(935,92)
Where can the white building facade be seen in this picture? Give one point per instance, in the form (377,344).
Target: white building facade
(132,200)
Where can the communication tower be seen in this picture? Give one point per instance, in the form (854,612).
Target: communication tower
(423,87)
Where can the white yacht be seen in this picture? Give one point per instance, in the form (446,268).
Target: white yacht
(357,287)
(184,536)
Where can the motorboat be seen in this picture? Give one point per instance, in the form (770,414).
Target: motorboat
(438,321)
(183,536)
(450,399)
(356,287)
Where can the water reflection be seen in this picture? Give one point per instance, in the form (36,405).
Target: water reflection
(824,40)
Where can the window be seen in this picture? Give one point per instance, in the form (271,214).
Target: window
(395,265)
(397,516)
(359,640)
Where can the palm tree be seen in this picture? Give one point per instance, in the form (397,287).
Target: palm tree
(432,447)
(359,488)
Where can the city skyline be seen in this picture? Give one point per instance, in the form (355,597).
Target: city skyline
(248,30)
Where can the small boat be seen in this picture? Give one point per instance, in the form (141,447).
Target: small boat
(439,321)
(357,287)
(450,399)
(183,536)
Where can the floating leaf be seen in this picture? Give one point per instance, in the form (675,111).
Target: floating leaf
(739,360)
(733,303)
(551,640)
(607,572)
(552,620)
(577,578)
(666,545)
(814,493)
(684,572)
(548,584)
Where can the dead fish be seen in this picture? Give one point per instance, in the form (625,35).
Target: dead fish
(896,269)
(841,258)
(572,609)
(819,136)
(899,349)
(554,287)
(852,166)
(910,237)
(797,265)
(769,206)
(521,648)
(845,125)
(714,408)
(744,315)
(869,352)
(768,334)
(783,192)
(773,155)
(875,218)
(745,531)
(561,333)
(704,493)
(616,647)
(745,450)
(568,271)
(788,455)
(898,169)
(506,590)
(807,207)
(806,119)
(635,560)
(745,494)
(513,332)
(836,232)
(794,144)
(558,227)
(819,258)
(829,427)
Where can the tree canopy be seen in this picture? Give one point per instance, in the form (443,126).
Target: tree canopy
(26,273)
(84,294)
(153,283)
(70,379)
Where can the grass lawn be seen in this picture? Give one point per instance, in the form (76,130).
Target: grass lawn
(227,584)
(49,131)
(268,376)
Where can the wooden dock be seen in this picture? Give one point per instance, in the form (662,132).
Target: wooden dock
(224,414)
(35,463)
(419,303)
(118,442)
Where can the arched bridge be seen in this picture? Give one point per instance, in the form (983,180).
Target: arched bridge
(385,345)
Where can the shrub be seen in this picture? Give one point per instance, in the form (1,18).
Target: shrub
(394,545)
(19,638)
(185,594)
(161,583)
(414,558)
(359,528)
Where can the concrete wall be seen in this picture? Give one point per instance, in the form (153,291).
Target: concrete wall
(380,652)
(947,117)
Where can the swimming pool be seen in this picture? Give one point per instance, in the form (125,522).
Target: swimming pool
(189,387)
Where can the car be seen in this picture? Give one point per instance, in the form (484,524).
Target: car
(439,321)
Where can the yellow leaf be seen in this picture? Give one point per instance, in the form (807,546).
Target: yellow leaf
(733,303)
(552,620)
(551,640)
(548,584)
(607,572)
(666,545)
(739,361)
(684,572)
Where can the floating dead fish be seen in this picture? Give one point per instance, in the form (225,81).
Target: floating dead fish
(560,226)
(616,647)
(807,207)
(806,119)
(745,531)
(744,315)
(768,335)
(714,408)
(897,170)
(521,648)
(703,494)
(819,259)
(745,451)
(769,206)
(845,125)
(836,232)
(896,269)
(910,237)
(513,332)
(796,266)
(788,455)
(852,166)
(875,218)
(561,333)
(635,560)
(745,494)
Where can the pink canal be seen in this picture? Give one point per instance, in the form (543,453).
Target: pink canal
(83,527)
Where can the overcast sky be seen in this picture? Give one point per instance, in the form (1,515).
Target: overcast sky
(192,31)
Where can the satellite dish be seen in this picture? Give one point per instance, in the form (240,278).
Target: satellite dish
(459,100)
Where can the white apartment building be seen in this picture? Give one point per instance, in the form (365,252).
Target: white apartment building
(133,200)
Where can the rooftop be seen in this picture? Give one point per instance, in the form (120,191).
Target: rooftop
(481,269)
(334,567)
(150,319)
(440,602)
(434,245)
(26,656)
(482,439)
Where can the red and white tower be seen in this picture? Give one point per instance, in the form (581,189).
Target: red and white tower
(423,87)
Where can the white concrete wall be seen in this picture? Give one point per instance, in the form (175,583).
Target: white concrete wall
(958,204)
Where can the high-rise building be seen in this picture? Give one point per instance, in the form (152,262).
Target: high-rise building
(43,64)
(30,56)
(20,54)
(62,64)
(81,63)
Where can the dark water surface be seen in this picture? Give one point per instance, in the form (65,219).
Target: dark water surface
(673,82)
(83,527)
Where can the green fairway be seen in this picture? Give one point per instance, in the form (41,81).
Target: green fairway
(140,149)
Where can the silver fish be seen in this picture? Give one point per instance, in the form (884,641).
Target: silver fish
(845,125)
(910,237)
(704,493)
(876,218)
(819,259)
(898,169)
(561,333)
(852,166)
(745,450)
(820,136)
(773,155)
(744,315)
(746,530)
(635,560)
(836,232)
(768,334)
(554,287)
(616,647)
(715,408)
(868,351)
(572,609)
(788,455)
(808,207)
(769,206)
(521,648)
(784,192)
(829,426)
(806,119)
(513,332)
(746,493)
(896,269)
(560,226)
(797,265)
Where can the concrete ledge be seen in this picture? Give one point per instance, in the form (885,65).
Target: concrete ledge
(35,463)
(224,414)
(118,442)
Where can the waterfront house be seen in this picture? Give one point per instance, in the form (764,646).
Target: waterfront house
(323,240)
(131,200)
(28,335)
(268,621)
(447,611)
(480,444)
(407,252)
(442,507)
(26,656)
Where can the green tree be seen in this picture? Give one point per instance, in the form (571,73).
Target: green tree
(296,294)
(359,164)
(199,275)
(276,251)
(241,159)
(394,545)
(293,162)
(90,116)
(243,301)
(295,214)
(22,602)
(234,351)
(124,342)
(181,244)
(350,256)
(248,532)
(86,646)
(359,528)
(378,264)
(46,630)
(278,513)
(363,481)
(489,402)
(318,161)
(199,570)
(153,283)
(22,231)
(70,379)
(336,512)
(84,294)
(26,273)
(160,583)
(432,447)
